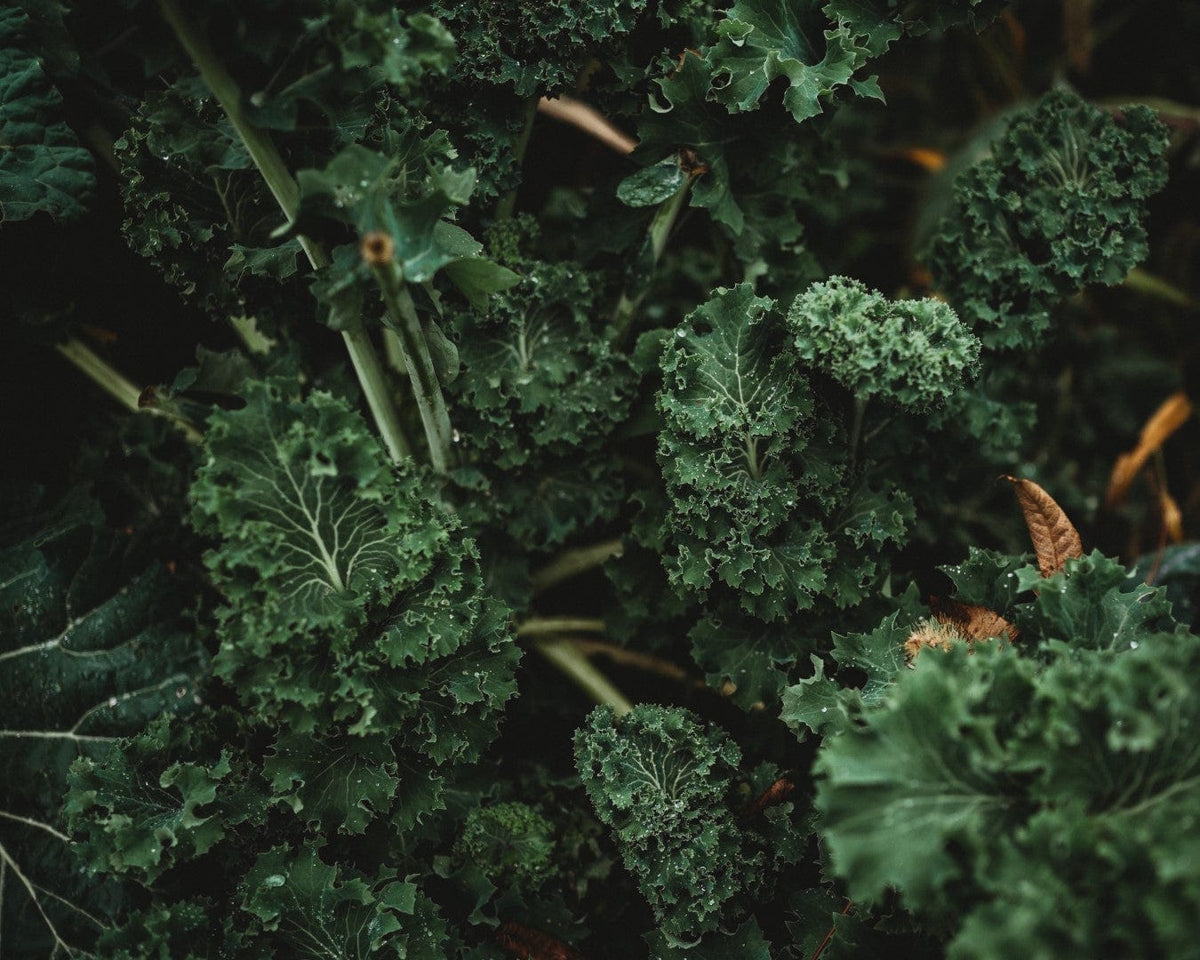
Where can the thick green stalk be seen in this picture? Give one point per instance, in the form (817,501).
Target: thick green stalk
(656,236)
(427,390)
(283,187)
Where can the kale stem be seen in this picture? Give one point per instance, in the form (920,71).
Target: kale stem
(536,626)
(567,657)
(508,203)
(860,409)
(283,187)
(656,241)
(426,388)
(116,385)
(571,563)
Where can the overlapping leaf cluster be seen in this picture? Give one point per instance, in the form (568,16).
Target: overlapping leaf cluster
(368,662)
(985,777)
(772,508)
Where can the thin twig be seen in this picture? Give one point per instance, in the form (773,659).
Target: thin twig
(638,660)
(832,930)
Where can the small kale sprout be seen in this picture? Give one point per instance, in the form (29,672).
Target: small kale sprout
(660,779)
(913,353)
(510,842)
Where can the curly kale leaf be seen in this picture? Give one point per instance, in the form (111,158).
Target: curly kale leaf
(750,468)
(309,512)
(736,407)
(762,40)
(94,642)
(538,370)
(1061,762)
(539,47)
(867,664)
(1059,203)
(196,209)
(912,353)
(141,810)
(43,168)
(660,780)
(311,909)
(353,603)
(512,843)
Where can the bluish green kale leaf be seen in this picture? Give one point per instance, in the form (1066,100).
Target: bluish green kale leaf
(1059,203)
(761,40)
(912,353)
(43,167)
(192,929)
(409,198)
(95,640)
(680,116)
(750,468)
(898,796)
(308,908)
(196,208)
(1032,786)
(660,780)
(352,601)
(538,48)
(1093,601)
(868,664)
(310,513)
(538,371)
(341,782)
(139,810)
(987,579)
(744,659)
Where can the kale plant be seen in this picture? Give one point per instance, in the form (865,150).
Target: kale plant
(480,480)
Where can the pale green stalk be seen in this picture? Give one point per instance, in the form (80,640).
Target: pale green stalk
(427,390)
(283,187)
(570,660)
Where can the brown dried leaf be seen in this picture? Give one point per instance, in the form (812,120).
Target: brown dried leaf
(526,943)
(971,620)
(774,795)
(1055,539)
(1168,418)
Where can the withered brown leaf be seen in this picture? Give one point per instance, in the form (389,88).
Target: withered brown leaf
(1055,539)
(1169,417)
(972,620)
(529,944)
